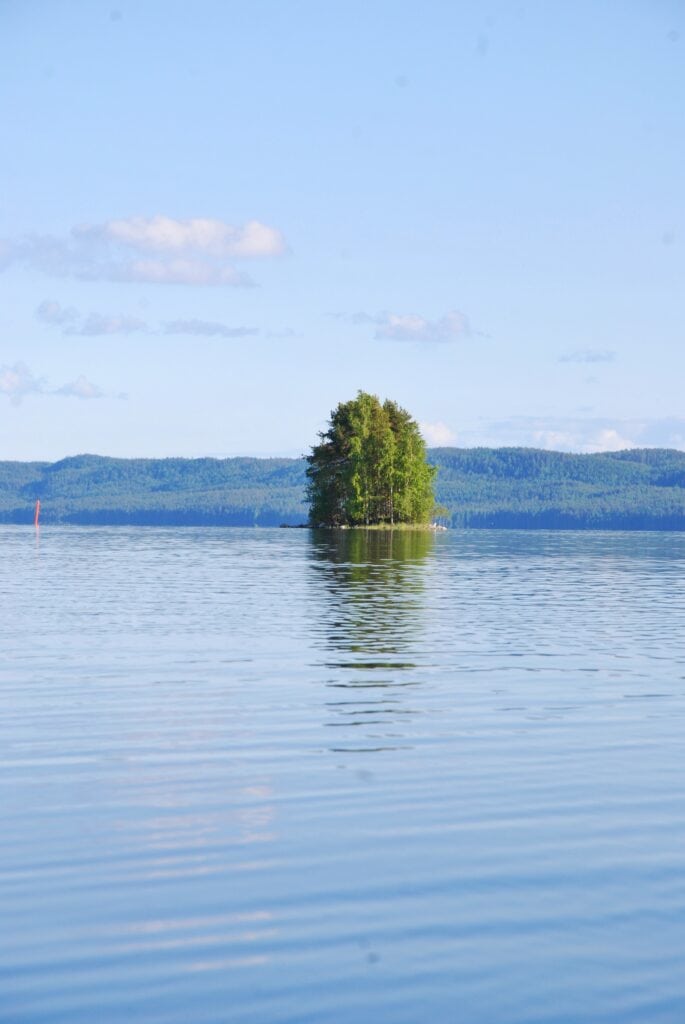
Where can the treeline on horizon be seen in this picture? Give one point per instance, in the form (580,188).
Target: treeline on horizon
(515,488)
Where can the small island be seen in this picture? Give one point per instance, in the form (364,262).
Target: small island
(370,468)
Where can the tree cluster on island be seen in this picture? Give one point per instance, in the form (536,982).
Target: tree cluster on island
(370,468)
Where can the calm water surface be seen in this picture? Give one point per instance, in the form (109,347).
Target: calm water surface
(274,776)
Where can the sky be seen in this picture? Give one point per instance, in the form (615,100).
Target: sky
(220,219)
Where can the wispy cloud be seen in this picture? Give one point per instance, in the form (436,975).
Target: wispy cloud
(588,355)
(72,322)
(437,433)
(97,324)
(191,271)
(287,332)
(56,315)
(199,234)
(356,318)
(453,326)
(584,437)
(207,328)
(18,381)
(80,388)
(151,250)
(576,434)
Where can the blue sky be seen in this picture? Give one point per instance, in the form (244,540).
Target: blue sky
(220,219)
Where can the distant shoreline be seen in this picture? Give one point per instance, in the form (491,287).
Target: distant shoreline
(482,488)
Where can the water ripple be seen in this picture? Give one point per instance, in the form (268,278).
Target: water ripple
(279,776)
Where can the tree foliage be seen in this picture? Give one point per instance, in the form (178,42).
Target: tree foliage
(370,467)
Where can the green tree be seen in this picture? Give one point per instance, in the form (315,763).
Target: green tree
(370,467)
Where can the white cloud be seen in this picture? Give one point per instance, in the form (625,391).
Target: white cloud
(610,440)
(356,318)
(453,326)
(57,257)
(182,271)
(17,381)
(583,438)
(437,433)
(403,327)
(51,312)
(256,239)
(96,324)
(74,323)
(411,327)
(150,250)
(589,355)
(80,388)
(198,234)
(287,332)
(576,434)
(207,328)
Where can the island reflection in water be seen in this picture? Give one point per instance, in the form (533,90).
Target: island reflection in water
(372,615)
(267,776)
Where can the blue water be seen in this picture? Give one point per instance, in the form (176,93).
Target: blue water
(271,775)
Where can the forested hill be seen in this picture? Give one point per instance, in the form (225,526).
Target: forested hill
(521,488)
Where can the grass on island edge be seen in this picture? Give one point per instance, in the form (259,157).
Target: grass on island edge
(406,527)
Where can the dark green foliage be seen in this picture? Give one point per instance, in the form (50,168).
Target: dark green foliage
(97,490)
(370,467)
(526,488)
(519,488)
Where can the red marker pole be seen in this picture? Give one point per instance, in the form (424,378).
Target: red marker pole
(36,516)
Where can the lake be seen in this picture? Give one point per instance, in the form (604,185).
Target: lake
(272,776)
